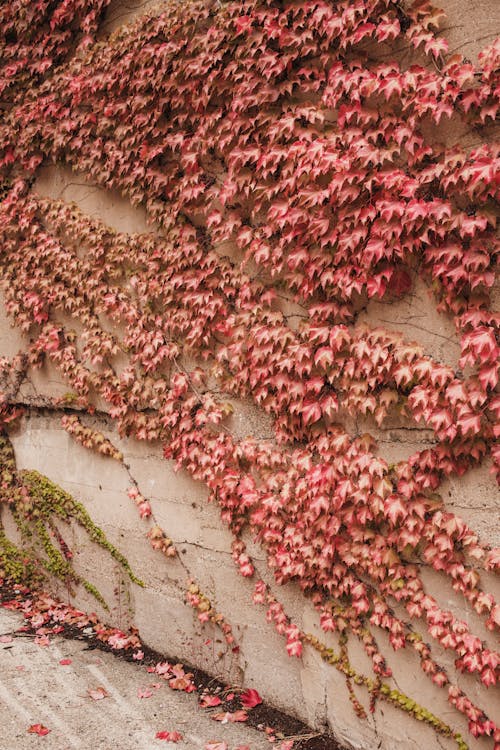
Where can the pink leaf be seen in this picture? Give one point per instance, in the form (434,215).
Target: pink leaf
(215,745)
(97,694)
(65,662)
(226,717)
(169,736)
(488,677)
(311,412)
(182,683)
(294,648)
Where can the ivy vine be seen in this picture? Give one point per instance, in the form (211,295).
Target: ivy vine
(281,155)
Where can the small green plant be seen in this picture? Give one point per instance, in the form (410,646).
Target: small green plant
(38,506)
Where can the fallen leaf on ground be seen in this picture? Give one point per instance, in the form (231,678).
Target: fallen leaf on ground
(118,640)
(169,736)
(214,745)
(6,639)
(230,717)
(138,655)
(206,701)
(98,694)
(250,698)
(178,670)
(38,729)
(65,662)
(182,683)
(144,693)
(161,668)
(42,640)
(287,745)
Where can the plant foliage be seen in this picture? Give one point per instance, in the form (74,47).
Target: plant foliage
(281,152)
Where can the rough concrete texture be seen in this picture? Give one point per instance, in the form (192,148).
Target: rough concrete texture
(36,689)
(305,687)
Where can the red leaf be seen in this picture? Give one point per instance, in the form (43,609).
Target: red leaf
(250,698)
(399,283)
(65,662)
(38,729)
(207,701)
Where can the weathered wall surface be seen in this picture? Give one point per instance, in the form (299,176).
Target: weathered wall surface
(306,687)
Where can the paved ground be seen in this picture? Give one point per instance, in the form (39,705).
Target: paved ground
(36,689)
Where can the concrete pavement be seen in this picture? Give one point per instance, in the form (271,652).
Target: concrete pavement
(36,688)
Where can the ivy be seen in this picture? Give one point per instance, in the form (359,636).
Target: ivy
(282,155)
(37,37)
(36,504)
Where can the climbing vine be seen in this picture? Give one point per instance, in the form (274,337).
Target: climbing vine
(282,158)
(37,506)
(38,36)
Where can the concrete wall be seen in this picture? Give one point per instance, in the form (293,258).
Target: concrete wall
(309,688)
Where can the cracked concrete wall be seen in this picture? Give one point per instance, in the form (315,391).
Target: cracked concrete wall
(308,688)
